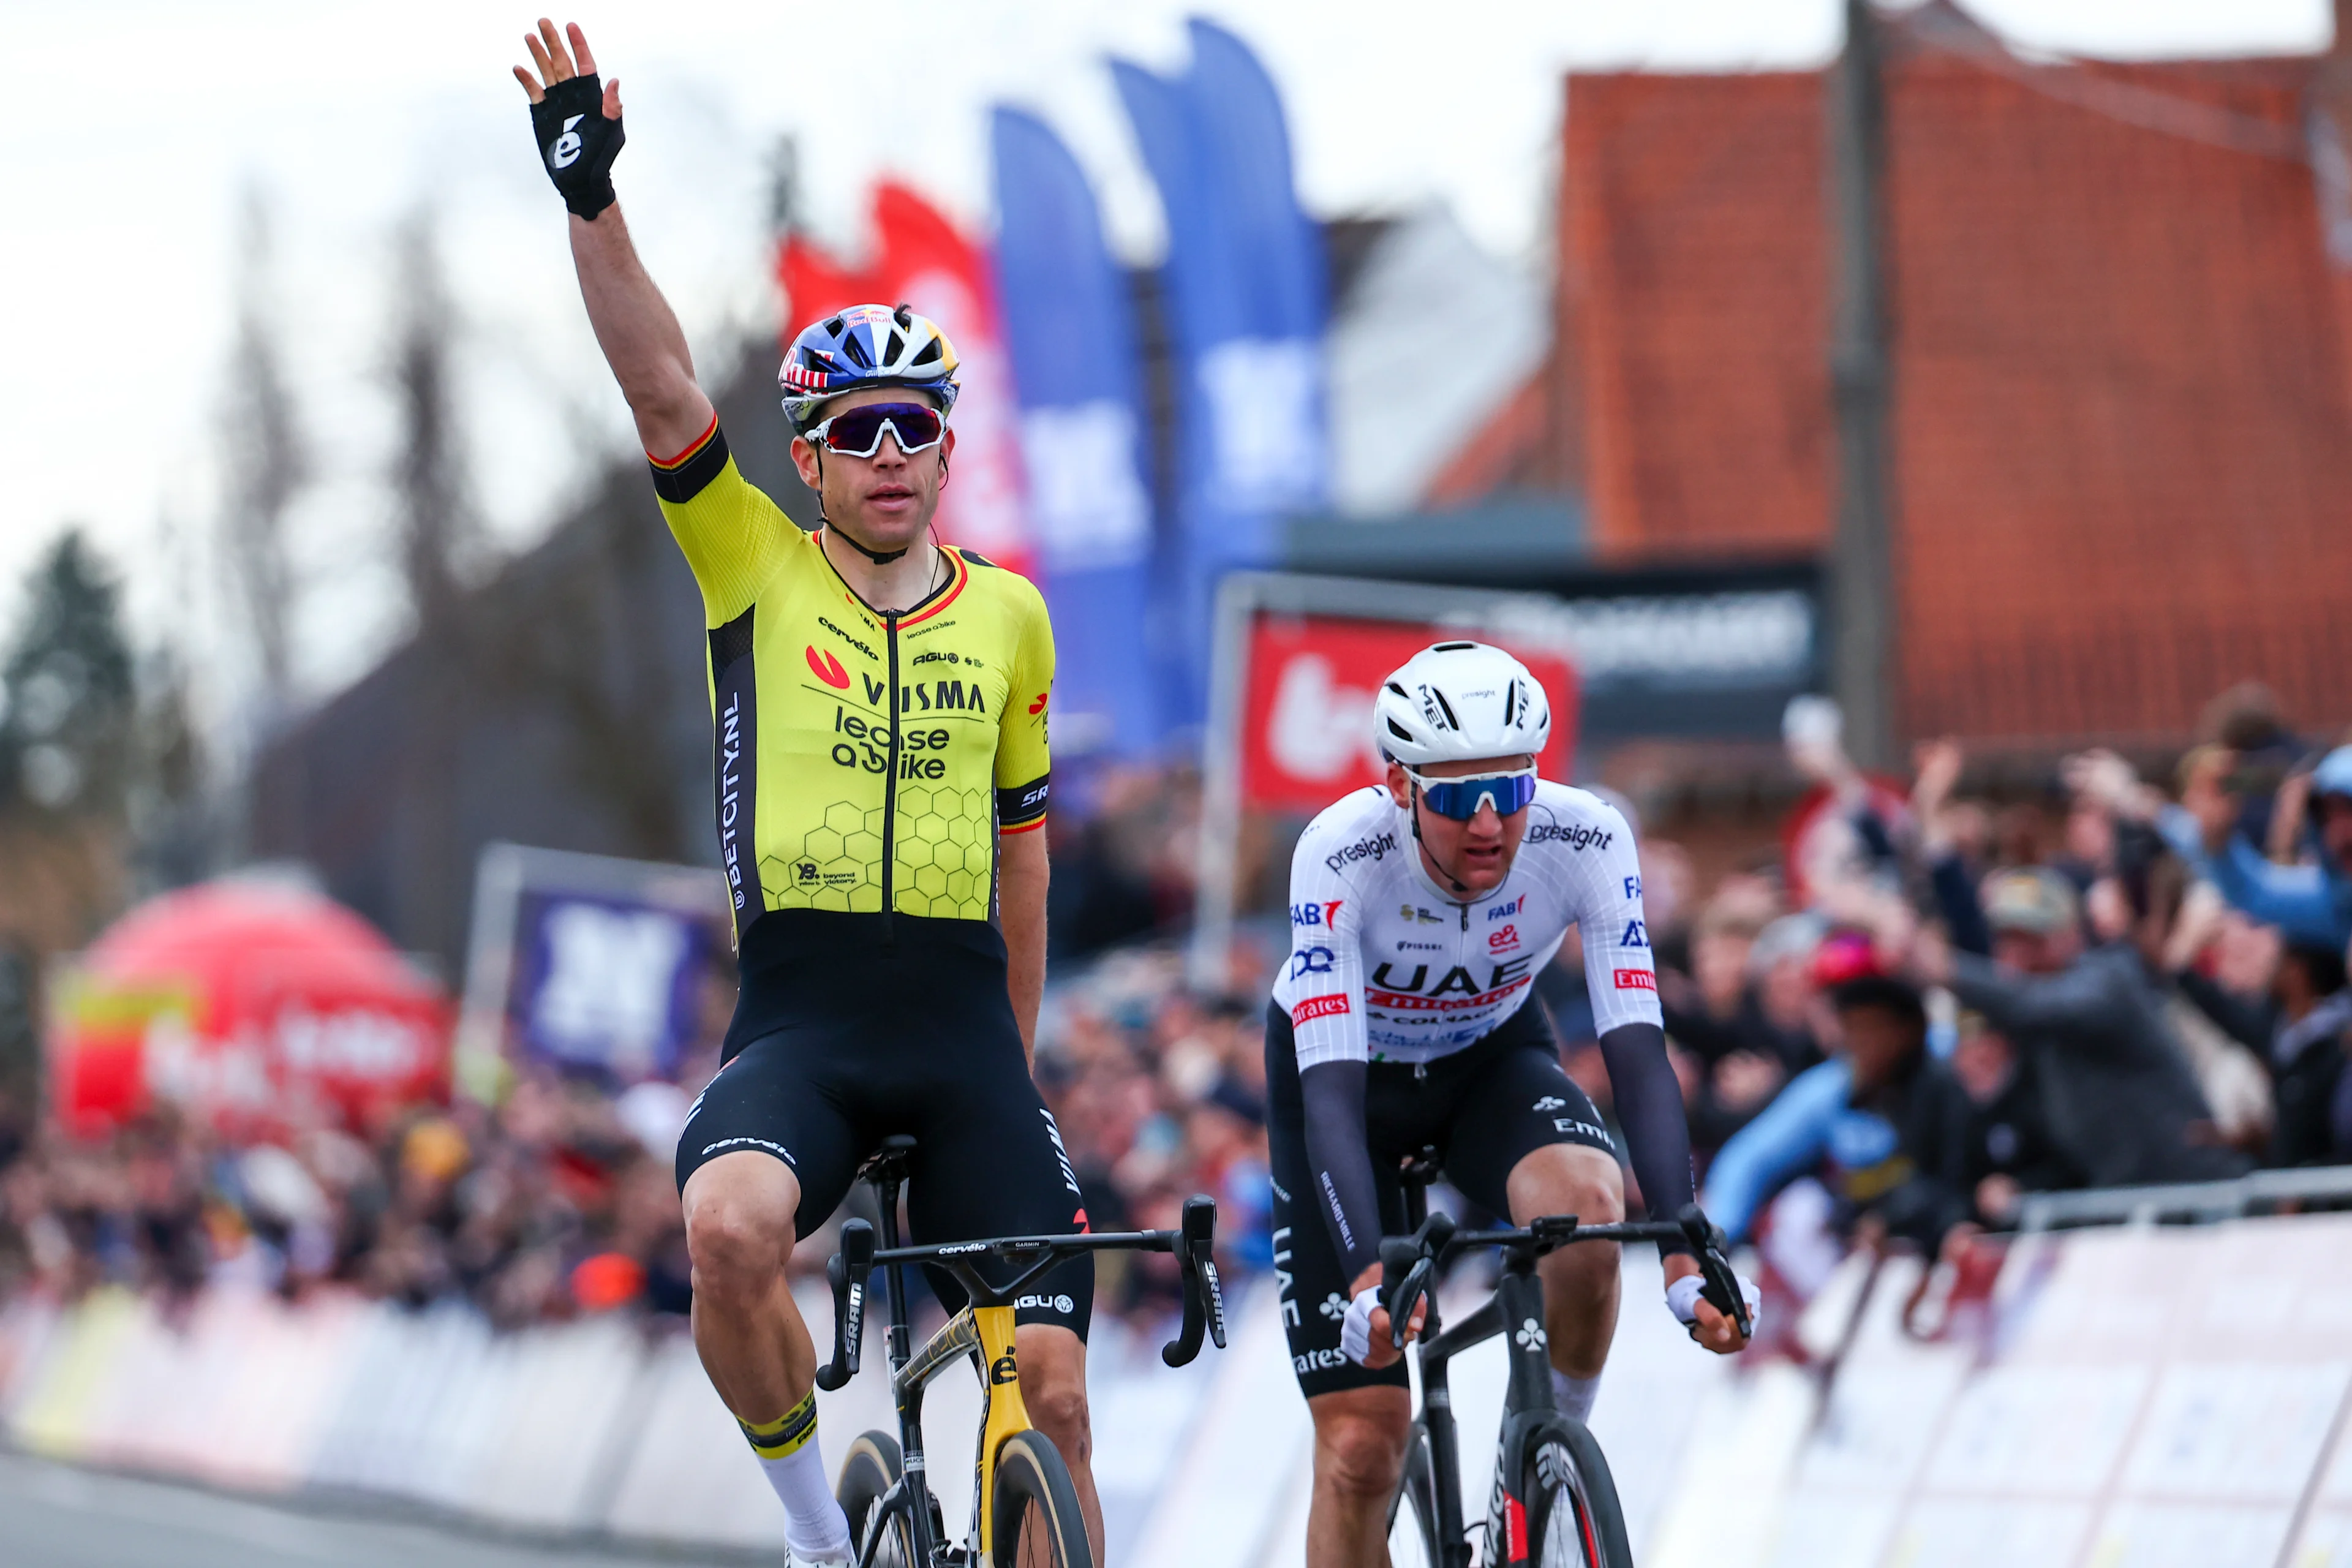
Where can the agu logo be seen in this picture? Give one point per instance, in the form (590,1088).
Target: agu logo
(828,669)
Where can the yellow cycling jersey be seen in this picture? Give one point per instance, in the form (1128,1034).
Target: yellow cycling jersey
(865,760)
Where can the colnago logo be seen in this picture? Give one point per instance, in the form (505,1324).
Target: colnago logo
(855,643)
(1636,980)
(1575,834)
(1317,914)
(828,669)
(1318,1007)
(1372,847)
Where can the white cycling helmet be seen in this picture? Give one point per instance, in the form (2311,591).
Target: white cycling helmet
(1461,701)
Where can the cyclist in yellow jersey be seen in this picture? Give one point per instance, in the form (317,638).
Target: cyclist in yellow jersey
(881,771)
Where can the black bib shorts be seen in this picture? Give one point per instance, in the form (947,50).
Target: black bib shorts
(852,1028)
(1484,1109)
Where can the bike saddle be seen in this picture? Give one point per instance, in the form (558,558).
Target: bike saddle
(889,1162)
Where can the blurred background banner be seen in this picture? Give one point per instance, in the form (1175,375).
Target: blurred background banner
(1245,290)
(1070,326)
(256,1008)
(590,964)
(920,258)
(1306,710)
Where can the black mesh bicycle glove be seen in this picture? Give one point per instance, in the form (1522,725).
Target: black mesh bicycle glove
(577,143)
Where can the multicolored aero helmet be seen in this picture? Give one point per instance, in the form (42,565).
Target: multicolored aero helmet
(866,345)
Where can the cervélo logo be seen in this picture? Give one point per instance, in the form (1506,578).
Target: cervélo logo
(1372,847)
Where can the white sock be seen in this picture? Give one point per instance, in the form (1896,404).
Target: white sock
(1574,1396)
(814,1527)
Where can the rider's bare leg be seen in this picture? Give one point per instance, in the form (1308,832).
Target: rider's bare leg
(1054,1388)
(738,1233)
(1359,1441)
(1581,1281)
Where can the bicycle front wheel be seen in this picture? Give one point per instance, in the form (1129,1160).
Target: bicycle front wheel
(871,1468)
(1412,1512)
(1571,1513)
(1037,1522)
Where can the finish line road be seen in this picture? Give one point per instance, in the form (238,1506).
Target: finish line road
(54,1516)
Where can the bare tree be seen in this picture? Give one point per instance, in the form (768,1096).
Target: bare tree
(267,462)
(438,528)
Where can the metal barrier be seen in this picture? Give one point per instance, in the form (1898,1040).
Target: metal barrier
(2258,1192)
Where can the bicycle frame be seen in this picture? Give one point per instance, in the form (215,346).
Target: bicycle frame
(982,1333)
(1516,1310)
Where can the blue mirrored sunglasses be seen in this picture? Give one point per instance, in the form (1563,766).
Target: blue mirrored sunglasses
(857,432)
(1461,798)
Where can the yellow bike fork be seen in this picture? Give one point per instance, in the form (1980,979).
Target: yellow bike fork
(1001,1412)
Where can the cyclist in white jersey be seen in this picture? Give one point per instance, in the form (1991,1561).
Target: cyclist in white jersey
(1421,914)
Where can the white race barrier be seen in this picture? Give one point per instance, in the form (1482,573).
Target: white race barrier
(593,1428)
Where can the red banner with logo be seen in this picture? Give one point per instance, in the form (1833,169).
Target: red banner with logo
(1307,704)
(922,261)
(258,1010)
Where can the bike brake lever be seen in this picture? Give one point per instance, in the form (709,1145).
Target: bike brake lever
(847,1271)
(1719,1283)
(1195,1239)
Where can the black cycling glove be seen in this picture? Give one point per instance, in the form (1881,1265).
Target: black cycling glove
(578,143)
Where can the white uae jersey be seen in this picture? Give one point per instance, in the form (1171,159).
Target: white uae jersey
(1385,965)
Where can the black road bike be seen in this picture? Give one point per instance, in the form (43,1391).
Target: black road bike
(1553,1504)
(1025,1509)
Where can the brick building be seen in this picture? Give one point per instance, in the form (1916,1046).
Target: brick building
(2122,396)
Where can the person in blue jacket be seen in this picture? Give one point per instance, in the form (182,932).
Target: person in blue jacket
(2311,903)
(1882,1123)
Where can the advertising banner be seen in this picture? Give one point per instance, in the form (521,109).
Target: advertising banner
(256,1008)
(1072,333)
(1244,285)
(1297,662)
(922,260)
(1307,710)
(597,966)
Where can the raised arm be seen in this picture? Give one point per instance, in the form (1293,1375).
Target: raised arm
(577,121)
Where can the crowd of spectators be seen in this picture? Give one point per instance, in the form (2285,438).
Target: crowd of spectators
(1918,1008)
(1929,1007)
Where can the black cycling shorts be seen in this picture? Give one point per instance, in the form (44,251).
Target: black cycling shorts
(873,1029)
(1484,1109)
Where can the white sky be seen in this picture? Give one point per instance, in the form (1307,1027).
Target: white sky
(134,126)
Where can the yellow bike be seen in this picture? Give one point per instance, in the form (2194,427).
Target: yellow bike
(1025,1509)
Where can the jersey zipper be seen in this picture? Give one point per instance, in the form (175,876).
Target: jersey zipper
(890,778)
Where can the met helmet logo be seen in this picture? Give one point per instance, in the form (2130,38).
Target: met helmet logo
(566,151)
